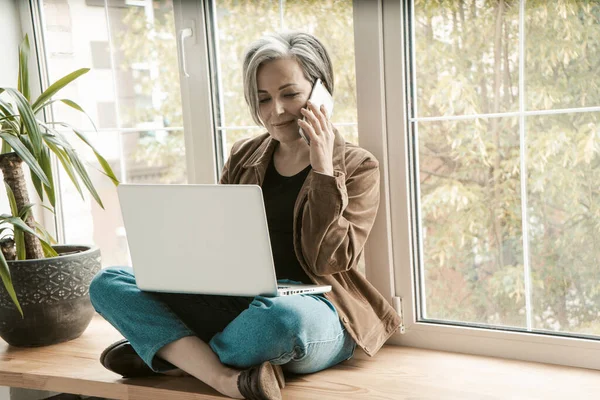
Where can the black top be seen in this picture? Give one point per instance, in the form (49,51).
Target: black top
(280,193)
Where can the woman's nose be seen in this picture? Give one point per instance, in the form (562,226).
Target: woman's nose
(278,107)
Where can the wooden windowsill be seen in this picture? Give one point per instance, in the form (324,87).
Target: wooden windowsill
(394,373)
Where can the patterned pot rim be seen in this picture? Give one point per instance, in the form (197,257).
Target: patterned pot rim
(85,250)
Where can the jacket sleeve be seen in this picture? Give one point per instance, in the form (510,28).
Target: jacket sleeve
(338,216)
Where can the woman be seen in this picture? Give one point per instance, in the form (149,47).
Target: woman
(321,201)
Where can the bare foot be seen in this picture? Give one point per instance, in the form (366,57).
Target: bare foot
(228,385)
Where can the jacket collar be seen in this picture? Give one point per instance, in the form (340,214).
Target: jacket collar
(264,153)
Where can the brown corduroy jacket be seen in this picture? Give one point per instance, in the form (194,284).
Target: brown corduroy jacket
(333,216)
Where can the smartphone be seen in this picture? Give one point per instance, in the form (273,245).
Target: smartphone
(319,96)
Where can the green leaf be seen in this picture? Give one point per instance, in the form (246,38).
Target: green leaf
(17,222)
(85,178)
(37,184)
(23,80)
(17,233)
(54,135)
(5,105)
(28,120)
(9,117)
(76,106)
(43,232)
(47,208)
(48,250)
(72,104)
(66,101)
(25,155)
(5,148)
(56,86)
(105,166)
(5,110)
(73,159)
(11,200)
(53,144)
(25,211)
(20,224)
(25,140)
(20,243)
(46,165)
(5,275)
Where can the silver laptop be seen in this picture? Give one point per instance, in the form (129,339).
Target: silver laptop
(204,239)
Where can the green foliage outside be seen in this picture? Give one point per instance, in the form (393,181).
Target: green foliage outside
(467,62)
(153,43)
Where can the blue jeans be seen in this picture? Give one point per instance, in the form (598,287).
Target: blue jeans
(302,333)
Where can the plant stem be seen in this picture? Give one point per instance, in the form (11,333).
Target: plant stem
(12,169)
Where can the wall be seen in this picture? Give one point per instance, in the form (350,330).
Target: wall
(10,32)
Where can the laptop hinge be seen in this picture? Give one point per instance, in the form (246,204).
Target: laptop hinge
(397,303)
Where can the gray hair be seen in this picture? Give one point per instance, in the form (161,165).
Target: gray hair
(303,47)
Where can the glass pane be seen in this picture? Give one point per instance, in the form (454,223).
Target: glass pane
(466,57)
(144,55)
(472,256)
(564,221)
(155,157)
(238,23)
(150,157)
(147,67)
(349,132)
(75,36)
(133,83)
(470,214)
(563,49)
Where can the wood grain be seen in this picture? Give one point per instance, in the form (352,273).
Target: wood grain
(395,373)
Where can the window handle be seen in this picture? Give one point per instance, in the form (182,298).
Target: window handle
(183,34)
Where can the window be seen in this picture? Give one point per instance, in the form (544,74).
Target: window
(131,48)
(493,139)
(508,141)
(131,92)
(484,116)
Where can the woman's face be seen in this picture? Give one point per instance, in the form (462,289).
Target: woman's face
(282,92)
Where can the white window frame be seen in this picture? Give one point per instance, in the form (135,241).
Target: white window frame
(196,91)
(381,87)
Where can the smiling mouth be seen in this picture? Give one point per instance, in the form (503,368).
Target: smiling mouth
(283,124)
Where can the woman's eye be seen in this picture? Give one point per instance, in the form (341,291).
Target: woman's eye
(261,101)
(291,94)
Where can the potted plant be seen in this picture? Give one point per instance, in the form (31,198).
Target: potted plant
(44,297)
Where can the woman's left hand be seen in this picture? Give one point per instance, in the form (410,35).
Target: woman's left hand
(320,132)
